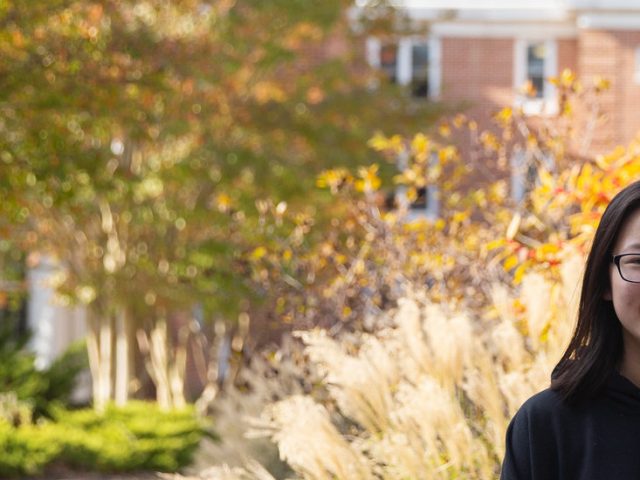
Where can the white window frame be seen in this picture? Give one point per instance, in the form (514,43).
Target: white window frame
(432,193)
(403,64)
(548,104)
(520,184)
(518,175)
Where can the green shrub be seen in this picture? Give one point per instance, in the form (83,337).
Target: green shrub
(27,449)
(40,388)
(139,436)
(15,411)
(60,378)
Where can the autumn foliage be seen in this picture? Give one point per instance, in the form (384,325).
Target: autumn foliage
(174,155)
(439,328)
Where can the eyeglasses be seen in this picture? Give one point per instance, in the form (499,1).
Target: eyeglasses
(628,266)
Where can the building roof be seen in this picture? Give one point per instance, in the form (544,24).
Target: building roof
(528,5)
(606,14)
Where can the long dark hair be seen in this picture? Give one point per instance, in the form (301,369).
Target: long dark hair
(595,350)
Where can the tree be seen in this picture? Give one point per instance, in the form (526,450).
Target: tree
(135,138)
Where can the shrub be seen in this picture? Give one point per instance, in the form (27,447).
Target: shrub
(13,411)
(139,436)
(27,449)
(40,388)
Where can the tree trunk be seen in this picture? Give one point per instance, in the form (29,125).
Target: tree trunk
(121,373)
(155,347)
(178,368)
(166,367)
(99,346)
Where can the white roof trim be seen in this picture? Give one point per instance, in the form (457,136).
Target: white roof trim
(514,5)
(610,21)
(604,4)
(488,30)
(490,15)
(481,4)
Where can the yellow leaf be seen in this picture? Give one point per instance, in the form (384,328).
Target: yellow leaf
(544,334)
(548,248)
(459,120)
(333,179)
(510,262)
(489,141)
(444,130)
(369,182)
(566,79)
(504,116)
(447,153)
(223,202)
(519,274)
(495,244)
(396,144)
(378,142)
(601,83)
(420,146)
(546,179)
(258,253)
(460,216)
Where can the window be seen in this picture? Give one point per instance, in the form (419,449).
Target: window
(524,172)
(535,68)
(534,62)
(389,61)
(413,62)
(636,66)
(427,204)
(420,70)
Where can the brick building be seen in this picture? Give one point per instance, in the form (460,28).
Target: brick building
(482,52)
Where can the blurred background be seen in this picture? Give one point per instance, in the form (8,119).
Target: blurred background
(294,239)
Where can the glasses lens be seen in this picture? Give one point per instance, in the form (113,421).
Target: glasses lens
(630,268)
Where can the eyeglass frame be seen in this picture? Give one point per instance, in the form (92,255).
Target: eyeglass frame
(616,261)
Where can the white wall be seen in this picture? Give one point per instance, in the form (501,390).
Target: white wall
(53,327)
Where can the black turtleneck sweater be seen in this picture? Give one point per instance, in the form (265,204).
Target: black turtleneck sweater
(598,440)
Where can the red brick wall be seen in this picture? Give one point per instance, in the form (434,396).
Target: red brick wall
(627,91)
(478,70)
(477,73)
(568,55)
(610,54)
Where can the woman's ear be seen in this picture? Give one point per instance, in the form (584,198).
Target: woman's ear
(607,294)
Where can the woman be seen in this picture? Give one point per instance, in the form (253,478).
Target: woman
(587,424)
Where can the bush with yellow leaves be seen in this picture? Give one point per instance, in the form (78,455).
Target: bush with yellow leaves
(439,329)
